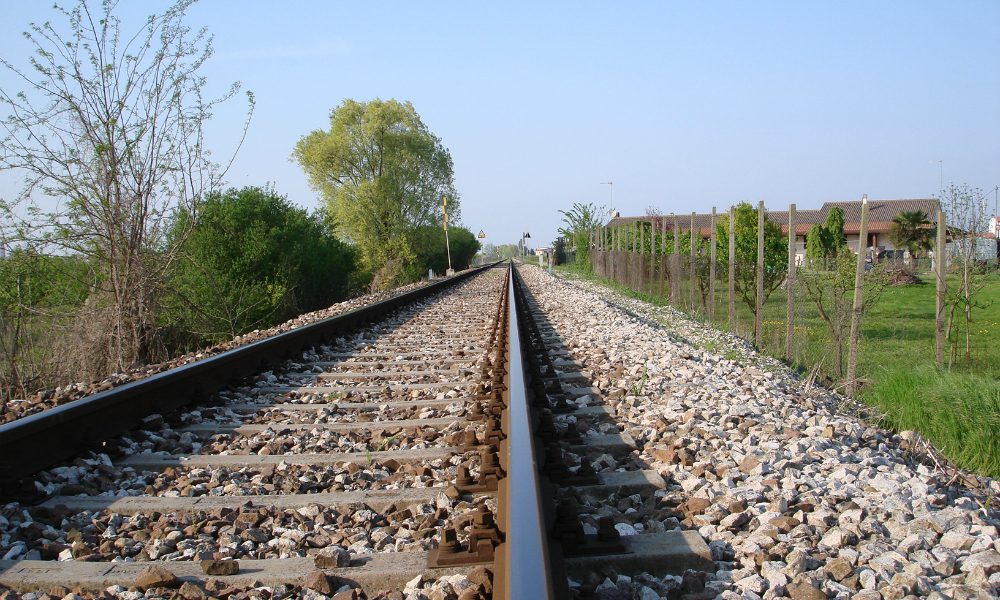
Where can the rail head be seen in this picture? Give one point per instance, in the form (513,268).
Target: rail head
(526,568)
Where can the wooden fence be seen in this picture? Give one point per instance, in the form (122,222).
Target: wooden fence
(684,261)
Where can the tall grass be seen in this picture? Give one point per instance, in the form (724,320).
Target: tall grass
(958,412)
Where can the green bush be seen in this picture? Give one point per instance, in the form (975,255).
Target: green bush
(252,260)
(428,245)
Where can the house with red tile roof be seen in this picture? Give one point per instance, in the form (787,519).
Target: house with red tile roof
(880,216)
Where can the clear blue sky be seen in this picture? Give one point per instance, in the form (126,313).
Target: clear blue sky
(684,105)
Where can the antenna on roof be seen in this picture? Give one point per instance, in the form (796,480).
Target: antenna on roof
(864,199)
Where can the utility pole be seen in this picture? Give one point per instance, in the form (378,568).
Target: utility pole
(611,184)
(447,244)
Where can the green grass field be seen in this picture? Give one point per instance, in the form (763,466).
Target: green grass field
(958,408)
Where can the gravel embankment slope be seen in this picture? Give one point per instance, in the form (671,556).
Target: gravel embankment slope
(795,497)
(17,409)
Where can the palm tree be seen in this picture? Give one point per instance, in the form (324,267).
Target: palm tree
(912,230)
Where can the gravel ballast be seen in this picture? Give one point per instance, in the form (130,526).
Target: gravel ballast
(795,496)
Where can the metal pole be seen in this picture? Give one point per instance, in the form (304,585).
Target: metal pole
(859,274)
(790,284)
(447,243)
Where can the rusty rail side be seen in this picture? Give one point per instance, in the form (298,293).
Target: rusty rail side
(44,439)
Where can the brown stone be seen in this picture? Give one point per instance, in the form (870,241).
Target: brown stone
(191,591)
(249,519)
(351,594)
(332,557)
(839,568)
(220,567)
(154,577)
(693,581)
(482,578)
(804,591)
(696,506)
(319,581)
(665,455)
(785,524)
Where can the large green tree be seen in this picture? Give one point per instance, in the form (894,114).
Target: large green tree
(251,260)
(383,174)
(775,255)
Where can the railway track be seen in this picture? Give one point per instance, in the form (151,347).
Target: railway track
(442,445)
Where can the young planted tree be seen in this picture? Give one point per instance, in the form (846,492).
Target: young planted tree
(383,175)
(832,292)
(745,259)
(109,131)
(912,230)
(580,221)
(968,216)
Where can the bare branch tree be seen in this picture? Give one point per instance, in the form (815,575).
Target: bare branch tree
(968,216)
(109,131)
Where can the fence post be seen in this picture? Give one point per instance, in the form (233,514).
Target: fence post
(790,284)
(612,249)
(758,318)
(630,256)
(652,255)
(732,268)
(675,266)
(940,258)
(617,246)
(663,253)
(711,270)
(691,274)
(859,274)
(642,255)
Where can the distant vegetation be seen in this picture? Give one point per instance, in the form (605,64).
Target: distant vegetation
(146,255)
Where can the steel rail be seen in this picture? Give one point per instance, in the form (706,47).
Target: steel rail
(525,566)
(42,440)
